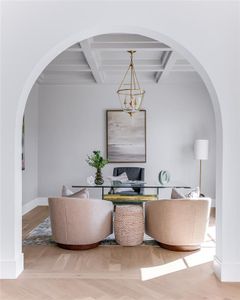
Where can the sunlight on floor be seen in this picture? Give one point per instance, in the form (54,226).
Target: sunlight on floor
(202,256)
(157,271)
(212,232)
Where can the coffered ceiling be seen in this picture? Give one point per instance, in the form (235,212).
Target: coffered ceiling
(104,59)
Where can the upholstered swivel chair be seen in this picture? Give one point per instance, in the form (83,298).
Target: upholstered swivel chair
(80,224)
(133,173)
(178,225)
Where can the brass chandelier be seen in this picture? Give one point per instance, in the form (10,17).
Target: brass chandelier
(130,93)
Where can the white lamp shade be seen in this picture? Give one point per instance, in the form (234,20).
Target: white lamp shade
(201,149)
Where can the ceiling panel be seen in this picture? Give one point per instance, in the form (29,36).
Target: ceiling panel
(104,59)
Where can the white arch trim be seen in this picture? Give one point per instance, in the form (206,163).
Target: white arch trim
(63,45)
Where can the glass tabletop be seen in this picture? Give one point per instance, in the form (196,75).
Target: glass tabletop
(135,184)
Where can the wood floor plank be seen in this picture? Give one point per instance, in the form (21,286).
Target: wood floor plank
(114,272)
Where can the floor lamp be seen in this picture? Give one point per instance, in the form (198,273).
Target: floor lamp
(201,153)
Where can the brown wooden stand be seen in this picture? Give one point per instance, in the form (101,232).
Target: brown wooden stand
(177,248)
(78,247)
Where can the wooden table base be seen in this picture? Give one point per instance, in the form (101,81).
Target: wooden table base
(78,247)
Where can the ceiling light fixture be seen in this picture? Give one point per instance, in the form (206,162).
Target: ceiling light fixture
(129,92)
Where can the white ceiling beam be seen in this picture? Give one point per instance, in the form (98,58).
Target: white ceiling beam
(67,82)
(67,68)
(183,70)
(128,46)
(77,82)
(128,42)
(155,68)
(125,62)
(123,38)
(115,81)
(109,68)
(74,50)
(91,60)
(60,78)
(169,62)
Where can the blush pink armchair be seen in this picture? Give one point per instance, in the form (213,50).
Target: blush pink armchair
(80,224)
(178,225)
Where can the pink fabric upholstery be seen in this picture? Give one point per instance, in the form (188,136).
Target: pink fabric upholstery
(80,221)
(177,222)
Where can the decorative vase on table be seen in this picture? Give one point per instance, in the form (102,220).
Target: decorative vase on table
(164,177)
(98,177)
(98,162)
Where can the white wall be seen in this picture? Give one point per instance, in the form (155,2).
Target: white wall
(30,174)
(72,123)
(206,33)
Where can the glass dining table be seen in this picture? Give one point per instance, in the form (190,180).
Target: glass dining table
(129,198)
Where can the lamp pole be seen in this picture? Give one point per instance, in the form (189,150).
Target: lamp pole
(200,177)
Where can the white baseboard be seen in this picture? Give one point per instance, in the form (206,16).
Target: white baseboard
(217,267)
(226,272)
(41,201)
(11,269)
(213,202)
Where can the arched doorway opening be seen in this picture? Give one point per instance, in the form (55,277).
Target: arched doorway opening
(72,40)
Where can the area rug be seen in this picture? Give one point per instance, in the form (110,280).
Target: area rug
(42,235)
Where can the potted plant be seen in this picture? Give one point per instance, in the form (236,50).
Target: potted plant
(97,161)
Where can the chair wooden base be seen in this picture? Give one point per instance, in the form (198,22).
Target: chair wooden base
(78,247)
(177,248)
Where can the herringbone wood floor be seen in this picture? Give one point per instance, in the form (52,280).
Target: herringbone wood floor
(112,272)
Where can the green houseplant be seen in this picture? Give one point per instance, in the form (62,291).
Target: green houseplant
(97,161)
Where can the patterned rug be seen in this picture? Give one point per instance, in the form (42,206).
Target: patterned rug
(42,235)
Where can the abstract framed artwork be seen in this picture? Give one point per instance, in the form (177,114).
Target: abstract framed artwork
(126,136)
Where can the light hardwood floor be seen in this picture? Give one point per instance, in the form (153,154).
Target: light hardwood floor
(114,272)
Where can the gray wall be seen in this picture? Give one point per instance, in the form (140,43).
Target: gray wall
(30,174)
(72,124)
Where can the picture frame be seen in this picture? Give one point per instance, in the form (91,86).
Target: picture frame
(126,136)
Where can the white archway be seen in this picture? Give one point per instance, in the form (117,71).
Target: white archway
(121,29)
